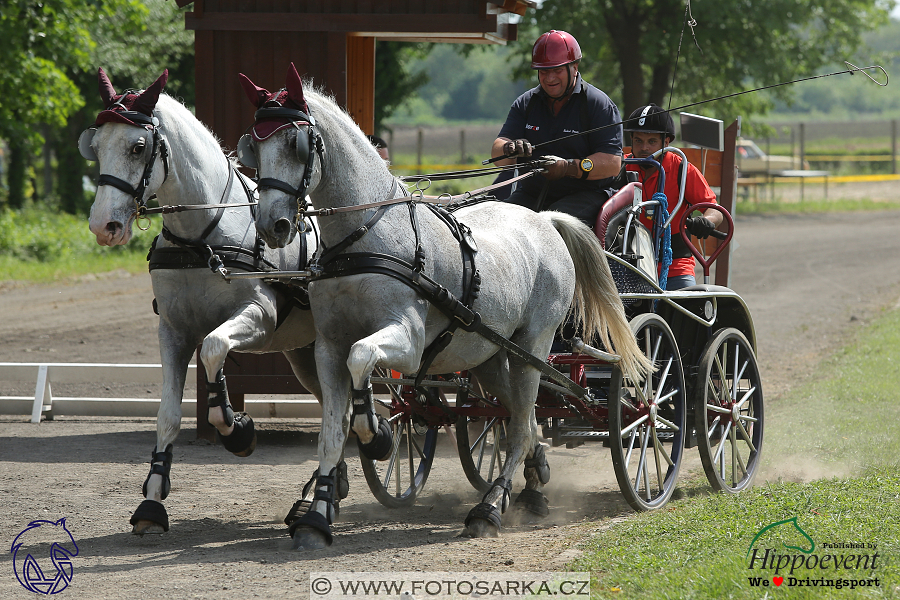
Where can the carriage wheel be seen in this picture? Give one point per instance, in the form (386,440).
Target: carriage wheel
(649,419)
(397,481)
(729,412)
(482,449)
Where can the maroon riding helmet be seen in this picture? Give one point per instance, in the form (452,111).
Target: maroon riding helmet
(555,49)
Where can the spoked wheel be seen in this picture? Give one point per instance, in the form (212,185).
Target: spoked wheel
(397,481)
(481,441)
(729,412)
(649,420)
(482,449)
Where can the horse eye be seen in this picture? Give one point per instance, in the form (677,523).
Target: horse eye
(139,147)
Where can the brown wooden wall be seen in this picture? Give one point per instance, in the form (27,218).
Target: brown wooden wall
(264,58)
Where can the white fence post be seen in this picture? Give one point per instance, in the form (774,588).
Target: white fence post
(42,387)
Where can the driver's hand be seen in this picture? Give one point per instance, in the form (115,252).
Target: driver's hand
(700,227)
(555,167)
(516,148)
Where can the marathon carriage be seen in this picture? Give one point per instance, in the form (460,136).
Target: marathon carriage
(706,392)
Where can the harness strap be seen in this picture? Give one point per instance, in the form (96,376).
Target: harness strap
(445,301)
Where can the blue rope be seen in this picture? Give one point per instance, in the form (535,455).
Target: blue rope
(665,249)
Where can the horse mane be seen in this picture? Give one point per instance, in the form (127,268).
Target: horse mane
(172,109)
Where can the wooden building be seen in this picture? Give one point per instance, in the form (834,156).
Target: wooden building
(332,42)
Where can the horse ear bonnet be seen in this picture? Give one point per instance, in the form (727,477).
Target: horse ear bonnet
(131,109)
(291,100)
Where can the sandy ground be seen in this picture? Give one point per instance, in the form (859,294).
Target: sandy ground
(809,282)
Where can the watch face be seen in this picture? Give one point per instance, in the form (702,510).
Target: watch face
(586,164)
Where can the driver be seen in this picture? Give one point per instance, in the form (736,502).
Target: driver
(651,130)
(579,180)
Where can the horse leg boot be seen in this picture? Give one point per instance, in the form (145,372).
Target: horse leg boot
(537,473)
(151,516)
(373,433)
(302,506)
(312,530)
(236,431)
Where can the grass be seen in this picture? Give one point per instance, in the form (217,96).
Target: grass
(40,245)
(844,420)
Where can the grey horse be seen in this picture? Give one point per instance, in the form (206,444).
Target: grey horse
(533,269)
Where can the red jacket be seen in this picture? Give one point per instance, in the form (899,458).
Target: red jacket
(696,190)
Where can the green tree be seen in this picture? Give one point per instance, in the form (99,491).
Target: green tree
(134,45)
(630,46)
(38,39)
(395,85)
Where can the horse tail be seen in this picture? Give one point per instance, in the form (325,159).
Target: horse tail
(596,306)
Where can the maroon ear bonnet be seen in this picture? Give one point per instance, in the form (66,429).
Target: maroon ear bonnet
(290,97)
(143,102)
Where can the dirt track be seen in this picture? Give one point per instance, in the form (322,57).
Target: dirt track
(807,280)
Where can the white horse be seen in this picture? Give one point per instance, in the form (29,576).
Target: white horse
(533,267)
(147,143)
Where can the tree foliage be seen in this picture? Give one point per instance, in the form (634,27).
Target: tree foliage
(395,84)
(630,46)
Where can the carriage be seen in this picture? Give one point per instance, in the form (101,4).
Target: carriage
(706,392)
(408,298)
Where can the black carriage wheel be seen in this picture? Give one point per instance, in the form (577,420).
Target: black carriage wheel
(482,449)
(649,420)
(397,481)
(729,412)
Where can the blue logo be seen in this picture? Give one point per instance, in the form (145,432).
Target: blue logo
(35,539)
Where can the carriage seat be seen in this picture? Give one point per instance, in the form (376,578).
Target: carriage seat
(616,203)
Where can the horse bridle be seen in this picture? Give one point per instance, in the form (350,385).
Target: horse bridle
(160,149)
(315,146)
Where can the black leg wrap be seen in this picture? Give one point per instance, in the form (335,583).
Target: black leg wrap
(220,398)
(151,510)
(160,469)
(314,519)
(381,445)
(241,441)
(533,501)
(302,506)
(538,461)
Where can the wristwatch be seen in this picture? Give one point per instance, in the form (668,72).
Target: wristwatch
(586,166)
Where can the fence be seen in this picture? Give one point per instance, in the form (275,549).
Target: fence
(43,402)
(457,146)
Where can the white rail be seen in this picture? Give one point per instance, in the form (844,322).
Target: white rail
(43,401)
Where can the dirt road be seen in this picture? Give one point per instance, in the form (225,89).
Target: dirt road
(809,281)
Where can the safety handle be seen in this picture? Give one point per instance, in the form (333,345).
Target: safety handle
(722,235)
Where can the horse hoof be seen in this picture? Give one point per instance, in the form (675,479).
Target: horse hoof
(533,501)
(241,441)
(483,521)
(143,527)
(480,528)
(249,450)
(307,538)
(150,517)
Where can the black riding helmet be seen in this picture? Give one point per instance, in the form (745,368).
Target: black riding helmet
(651,119)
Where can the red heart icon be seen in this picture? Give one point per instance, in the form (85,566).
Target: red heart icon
(778,580)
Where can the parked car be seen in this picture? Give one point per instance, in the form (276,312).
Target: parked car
(752,161)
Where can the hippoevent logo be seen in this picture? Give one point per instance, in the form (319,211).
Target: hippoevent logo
(42,556)
(783,554)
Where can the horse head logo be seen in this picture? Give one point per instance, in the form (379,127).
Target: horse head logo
(30,550)
(792,527)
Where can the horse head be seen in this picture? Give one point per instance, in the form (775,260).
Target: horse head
(282,146)
(126,141)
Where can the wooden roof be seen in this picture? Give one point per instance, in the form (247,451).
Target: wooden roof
(460,21)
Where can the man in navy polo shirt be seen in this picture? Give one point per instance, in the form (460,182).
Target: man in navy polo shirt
(579,180)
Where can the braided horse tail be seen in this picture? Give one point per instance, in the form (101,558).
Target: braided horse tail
(597,308)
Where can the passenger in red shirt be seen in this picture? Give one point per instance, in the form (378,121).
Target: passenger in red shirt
(651,130)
